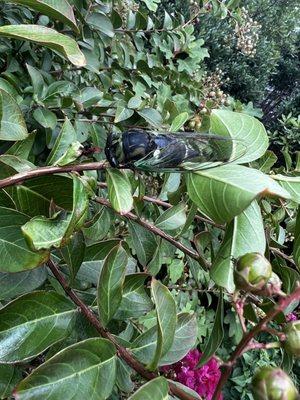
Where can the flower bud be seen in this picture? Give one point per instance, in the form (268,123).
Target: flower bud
(292,342)
(252,272)
(271,383)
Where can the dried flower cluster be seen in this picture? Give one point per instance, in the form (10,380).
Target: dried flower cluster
(124,7)
(202,380)
(247,34)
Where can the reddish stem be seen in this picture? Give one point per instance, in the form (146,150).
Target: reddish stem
(247,339)
(122,352)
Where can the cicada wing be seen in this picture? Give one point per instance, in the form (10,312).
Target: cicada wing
(190,151)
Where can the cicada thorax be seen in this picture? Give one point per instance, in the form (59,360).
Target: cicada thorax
(137,144)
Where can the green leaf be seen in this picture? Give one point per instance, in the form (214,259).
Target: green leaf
(217,334)
(13,285)
(266,162)
(45,117)
(192,395)
(291,184)
(38,83)
(173,218)
(12,123)
(111,282)
(44,233)
(63,141)
(48,37)
(56,9)
(32,323)
(166,321)
(86,370)
(156,389)
(243,128)
(94,259)
(143,242)
(152,116)
(135,301)
(245,234)
(296,248)
(185,337)
(179,121)
(123,113)
(22,148)
(15,254)
(222,193)
(101,23)
(9,377)
(119,191)
(73,253)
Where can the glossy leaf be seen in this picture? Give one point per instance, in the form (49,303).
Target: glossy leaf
(101,23)
(246,130)
(222,193)
(143,241)
(119,191)
(216,335)
(185,337)
(32,323)
(291,184)
(152,116)
(85,370)
(45,117)
(111,282)
(296,248)
(135,301)
(123,113)
(166,321)
(56,9)
(173,218)
(63,141)
(12,124)
(44,233)
(245,234)
(22,148)
(156,389)
(15,254)
(13,285)
(48,37)
(9,377)
(179,121)
(73,253)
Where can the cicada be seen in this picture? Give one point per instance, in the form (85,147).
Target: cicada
(152,151)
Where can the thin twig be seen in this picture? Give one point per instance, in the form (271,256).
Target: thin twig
(158,232)
(281,254)
(164,204)
(122,352)
(42,171)
(283,303)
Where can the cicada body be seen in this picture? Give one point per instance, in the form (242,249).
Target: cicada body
(166,152)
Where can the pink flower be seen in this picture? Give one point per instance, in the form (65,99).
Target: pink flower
(291,317)
(202,380)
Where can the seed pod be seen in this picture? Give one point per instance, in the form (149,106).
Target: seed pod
(292,342)
(252,272)
(271,383)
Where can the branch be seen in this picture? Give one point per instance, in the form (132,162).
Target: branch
(164,204)
(159,232)
(247,339)
(122,352)
(42,171)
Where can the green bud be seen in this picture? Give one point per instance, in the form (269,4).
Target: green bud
(292,342)
(271,383)
(252,272)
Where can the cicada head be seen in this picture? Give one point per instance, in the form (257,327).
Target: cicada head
(114,149)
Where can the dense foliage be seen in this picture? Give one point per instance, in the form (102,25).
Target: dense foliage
(115,283)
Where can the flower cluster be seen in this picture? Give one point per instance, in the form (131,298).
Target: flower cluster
(291,317)
(247,34)
(202,380)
